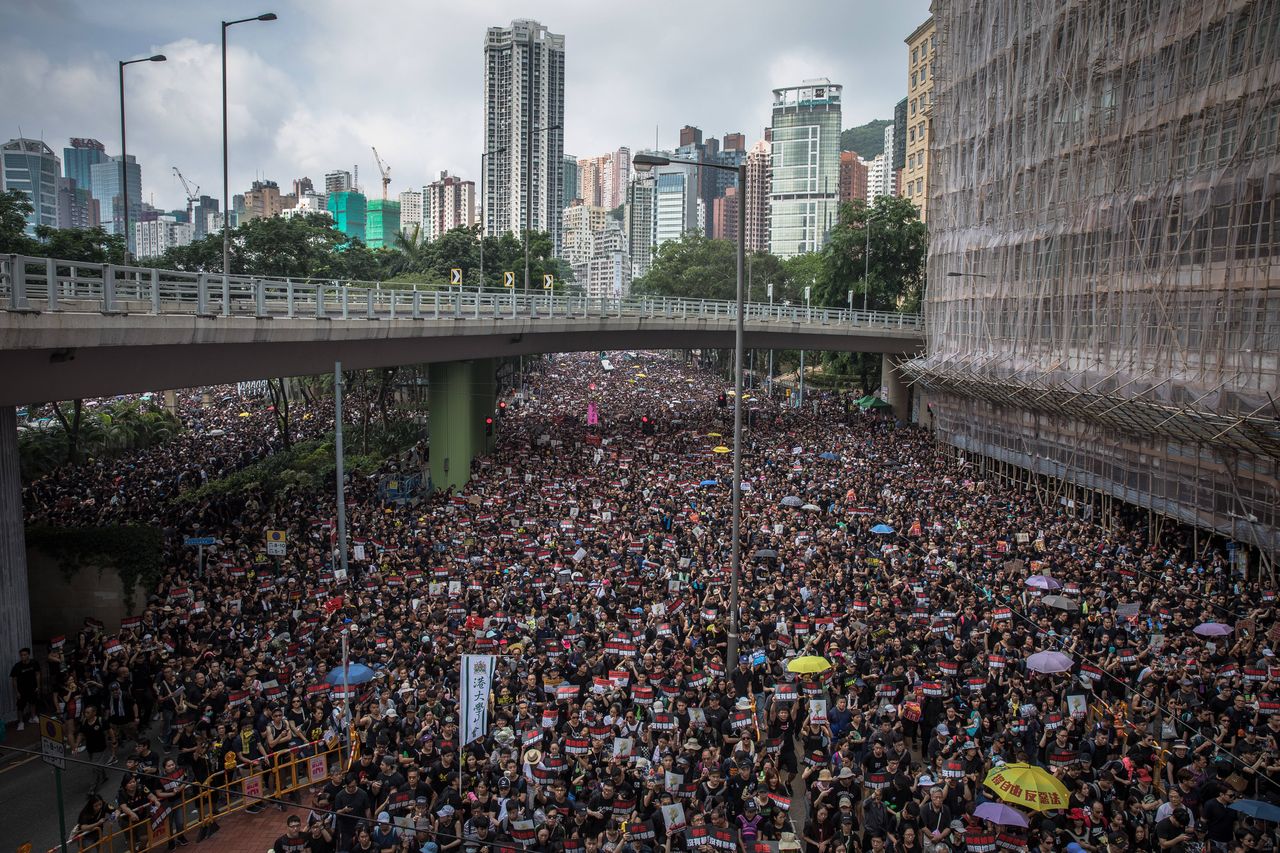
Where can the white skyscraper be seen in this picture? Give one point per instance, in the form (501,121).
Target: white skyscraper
(638,216)
(153,238)
(891,185)
(411,213)
(523,116)
(879,177)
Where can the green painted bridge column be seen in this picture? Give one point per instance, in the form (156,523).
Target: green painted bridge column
(461,394)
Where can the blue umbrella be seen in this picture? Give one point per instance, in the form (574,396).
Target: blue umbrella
(829,456)
(357,673)
(882,529)
(1258,809)
(708,483)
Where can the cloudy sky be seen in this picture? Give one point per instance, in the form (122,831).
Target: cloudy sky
(313,91)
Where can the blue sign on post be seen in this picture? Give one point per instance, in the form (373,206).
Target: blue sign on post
(192,541)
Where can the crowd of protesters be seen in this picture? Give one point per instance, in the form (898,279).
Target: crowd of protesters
(590,552)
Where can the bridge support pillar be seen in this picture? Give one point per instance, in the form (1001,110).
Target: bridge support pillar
(15,603)
(461,395)
(894,388)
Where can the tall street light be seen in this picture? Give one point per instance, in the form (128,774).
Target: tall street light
(643,163)
(124,153)
(483,230)
(528,197)
(226,196)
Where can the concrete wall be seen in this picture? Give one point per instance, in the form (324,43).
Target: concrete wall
(15,620)
(59,606)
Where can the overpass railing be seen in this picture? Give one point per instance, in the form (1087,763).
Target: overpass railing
(37,285)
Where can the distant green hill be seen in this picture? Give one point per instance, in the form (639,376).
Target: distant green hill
(867,139)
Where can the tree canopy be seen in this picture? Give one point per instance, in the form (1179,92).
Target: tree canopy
(896,261)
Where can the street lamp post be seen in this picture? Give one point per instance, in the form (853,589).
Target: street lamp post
(528,197)
(226,197)
(124,154)
(483,155)
(643,163)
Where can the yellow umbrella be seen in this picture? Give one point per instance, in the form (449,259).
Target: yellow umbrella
(720,449)
(641,376)
(808,663)
(1028,786)
(244,414)
(713,435)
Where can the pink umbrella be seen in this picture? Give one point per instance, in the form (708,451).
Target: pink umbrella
(1043,582)
(1049,662)
(1000,813)
(1213,629)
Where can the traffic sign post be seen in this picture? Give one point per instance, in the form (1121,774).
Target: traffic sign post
(53,747)
(547,281)
(509,279)
(199,542)
(455,276)
(277,543)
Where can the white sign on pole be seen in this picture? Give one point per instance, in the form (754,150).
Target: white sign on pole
(52,743)
(477,675)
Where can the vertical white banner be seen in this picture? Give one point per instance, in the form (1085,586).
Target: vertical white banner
(473,713)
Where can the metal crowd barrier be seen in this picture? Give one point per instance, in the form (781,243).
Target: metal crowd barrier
(291,770)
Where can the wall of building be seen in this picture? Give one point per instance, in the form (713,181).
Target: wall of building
(921,67)
(1116,322)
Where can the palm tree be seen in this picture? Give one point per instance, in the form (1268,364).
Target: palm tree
(412,253)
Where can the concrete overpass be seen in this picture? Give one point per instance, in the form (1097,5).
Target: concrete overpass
(71,330)
(83,330)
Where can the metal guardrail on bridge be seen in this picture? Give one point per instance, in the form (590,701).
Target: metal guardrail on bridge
(39,285)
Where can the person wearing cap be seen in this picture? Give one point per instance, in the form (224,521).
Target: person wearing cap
(384,835)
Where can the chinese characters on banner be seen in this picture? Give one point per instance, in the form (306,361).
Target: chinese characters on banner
(477,674)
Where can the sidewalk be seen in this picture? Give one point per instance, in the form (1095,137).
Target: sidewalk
(26,739)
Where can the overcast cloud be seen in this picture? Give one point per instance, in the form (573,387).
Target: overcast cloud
(314,90)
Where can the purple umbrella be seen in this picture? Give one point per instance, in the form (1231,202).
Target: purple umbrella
(1043,582)
(1213,629)
(1000,813)
(1049,662)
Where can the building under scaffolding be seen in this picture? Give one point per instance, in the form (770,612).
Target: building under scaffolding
(1103,299)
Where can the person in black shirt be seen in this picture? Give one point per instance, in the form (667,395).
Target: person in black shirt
(935,818)
(25,677)
(293,841)
(1172,832)
(351,804)
(93,732)
(319,838)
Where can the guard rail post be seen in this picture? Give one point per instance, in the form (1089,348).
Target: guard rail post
(320,296)
(226,296)
(108,288)
(18,283)
(259,298)
(202,294)
(155,291)
(51,283)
